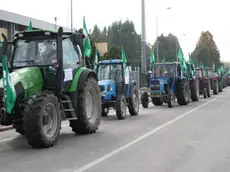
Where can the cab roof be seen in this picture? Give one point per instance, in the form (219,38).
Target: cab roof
(113,61)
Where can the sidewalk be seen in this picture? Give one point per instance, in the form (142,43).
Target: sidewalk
(5,128)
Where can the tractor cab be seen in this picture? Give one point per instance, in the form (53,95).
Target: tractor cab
(118,90)
(163,76)
(113,78)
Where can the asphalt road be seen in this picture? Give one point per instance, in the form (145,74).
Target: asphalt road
(193,138)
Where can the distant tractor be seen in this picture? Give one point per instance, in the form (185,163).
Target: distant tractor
(204,82)
(193,81)
(213,79)
(51,85)
(166,83)
(118,89)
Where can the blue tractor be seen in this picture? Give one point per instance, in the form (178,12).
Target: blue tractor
(118,89)
(165,84)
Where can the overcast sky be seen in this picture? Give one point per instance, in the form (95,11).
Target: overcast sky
(189,17)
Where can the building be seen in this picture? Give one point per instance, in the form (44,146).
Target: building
(102,48)
(11,23)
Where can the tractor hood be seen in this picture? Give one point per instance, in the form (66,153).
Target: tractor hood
(30,78)
(159,81)
(103,84)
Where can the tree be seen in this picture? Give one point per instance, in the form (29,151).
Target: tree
(168,47)
(206,51)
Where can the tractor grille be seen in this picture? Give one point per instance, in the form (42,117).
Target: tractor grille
(102,88)
(155,85)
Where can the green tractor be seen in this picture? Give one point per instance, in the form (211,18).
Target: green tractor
(52,85)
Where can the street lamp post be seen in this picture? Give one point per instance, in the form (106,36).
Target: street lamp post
(157,34)
(71,13)
(143,38)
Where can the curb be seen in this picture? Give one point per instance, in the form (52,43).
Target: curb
(5,128)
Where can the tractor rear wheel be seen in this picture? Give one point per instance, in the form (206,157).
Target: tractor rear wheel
(157,101)
(42,120)
(145,100)
(134,103)
(215,87)
(87,105)
(121,107)
(183,92)
(195,90)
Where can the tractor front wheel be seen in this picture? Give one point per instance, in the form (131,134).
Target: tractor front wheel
(134,102)
(220,86)
(171,99)
(209,89)
(42,120)
(145,100)
(87,105)
(121,107)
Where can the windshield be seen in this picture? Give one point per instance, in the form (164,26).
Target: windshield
(164,70)
(109,71)
(43,52)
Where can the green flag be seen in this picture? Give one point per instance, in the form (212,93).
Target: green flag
(181,58)
(86,41)
(152,58)
(163,59)
(30,26)
(9,90)
(124,59)
(95,60)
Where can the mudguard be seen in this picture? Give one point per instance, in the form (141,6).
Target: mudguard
(80,77)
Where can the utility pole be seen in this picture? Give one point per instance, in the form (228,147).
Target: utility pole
(71,11)
(143,38)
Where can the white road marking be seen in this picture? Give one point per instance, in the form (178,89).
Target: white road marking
(118,150)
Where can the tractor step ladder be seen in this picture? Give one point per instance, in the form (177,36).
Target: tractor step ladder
(67,108)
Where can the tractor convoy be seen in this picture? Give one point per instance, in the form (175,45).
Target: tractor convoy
(45,81)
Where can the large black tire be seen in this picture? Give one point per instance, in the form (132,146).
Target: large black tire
(105,111)
(195,90)
(209,89)
(182,92)
(87,122)
(145,100)
(134,102)
(35,117)
(220,86)
(121,107)
(157,101)
(215,87)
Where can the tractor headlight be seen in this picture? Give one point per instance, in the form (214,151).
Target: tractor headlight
(109,88)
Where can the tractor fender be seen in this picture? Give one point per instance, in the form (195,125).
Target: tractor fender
(80,77)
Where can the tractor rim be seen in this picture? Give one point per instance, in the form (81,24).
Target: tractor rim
(91,105)
(50,120)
